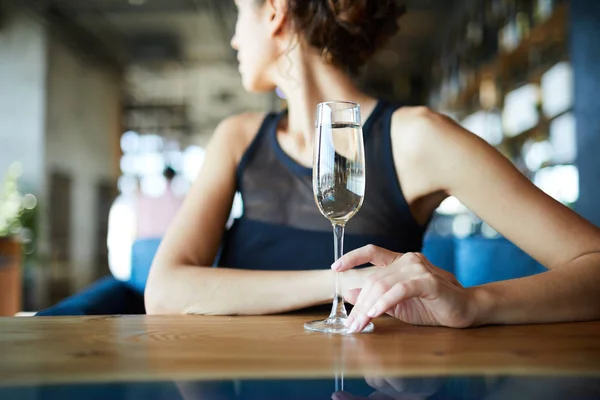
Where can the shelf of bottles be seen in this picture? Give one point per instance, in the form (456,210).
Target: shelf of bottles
(505,75)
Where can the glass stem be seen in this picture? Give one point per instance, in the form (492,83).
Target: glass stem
(338,311)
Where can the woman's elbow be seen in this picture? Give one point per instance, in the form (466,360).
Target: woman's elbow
(155,295)
(167,293)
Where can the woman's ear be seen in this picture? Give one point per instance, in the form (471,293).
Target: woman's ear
(276,14)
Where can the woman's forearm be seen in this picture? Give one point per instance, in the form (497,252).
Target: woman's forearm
(568,293)
(225,291)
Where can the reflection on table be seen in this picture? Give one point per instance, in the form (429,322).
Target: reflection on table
(372,388)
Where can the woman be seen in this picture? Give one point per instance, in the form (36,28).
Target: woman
(415,158)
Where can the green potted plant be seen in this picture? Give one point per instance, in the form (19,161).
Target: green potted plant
(16,211)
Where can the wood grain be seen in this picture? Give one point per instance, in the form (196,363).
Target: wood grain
(149,348)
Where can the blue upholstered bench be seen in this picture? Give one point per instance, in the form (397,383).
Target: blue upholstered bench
(110,296)
(474,260)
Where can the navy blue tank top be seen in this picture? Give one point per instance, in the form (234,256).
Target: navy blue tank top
(281,227)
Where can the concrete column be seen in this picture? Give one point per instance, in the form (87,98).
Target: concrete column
(23,65)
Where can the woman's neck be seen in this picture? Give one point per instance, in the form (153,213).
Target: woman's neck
(307,81)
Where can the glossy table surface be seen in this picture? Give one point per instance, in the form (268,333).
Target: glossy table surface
(240,357)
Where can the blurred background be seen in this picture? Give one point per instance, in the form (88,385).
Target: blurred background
(99,97)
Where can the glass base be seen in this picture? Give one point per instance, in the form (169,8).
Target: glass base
(334,325)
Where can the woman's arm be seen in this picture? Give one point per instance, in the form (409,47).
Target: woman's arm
(463,165)
(443,157)
(181,279)
(570,292)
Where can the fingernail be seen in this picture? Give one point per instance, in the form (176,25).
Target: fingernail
(348,322)
(354,327)
(336,265)
(372,312)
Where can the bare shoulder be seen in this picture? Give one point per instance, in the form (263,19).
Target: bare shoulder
(420,130)
(241,124)
(421,121)
(420,114)
(413,132)
(425,142)
(237,132)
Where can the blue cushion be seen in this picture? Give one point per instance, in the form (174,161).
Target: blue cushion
(439,250)
(480,260)
(108,296)
(142,255)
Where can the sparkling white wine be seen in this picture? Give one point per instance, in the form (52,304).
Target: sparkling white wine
(339,188)
(339,181)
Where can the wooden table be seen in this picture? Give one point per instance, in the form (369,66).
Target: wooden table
(150,348)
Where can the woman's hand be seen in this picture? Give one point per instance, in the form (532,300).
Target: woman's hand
(396,389)
(408,287)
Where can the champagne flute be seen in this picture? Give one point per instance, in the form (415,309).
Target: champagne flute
(338,187)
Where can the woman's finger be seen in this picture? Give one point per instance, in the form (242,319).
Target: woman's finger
(407,267)
(370,294)
(352,295)
(345,396)
(402,291)
(374,282)
(367,254)
(377,305)
(409,264)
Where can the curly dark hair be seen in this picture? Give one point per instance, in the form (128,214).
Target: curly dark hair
(347,32)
